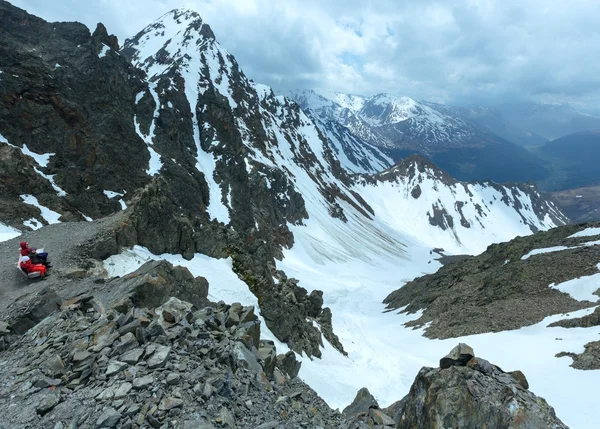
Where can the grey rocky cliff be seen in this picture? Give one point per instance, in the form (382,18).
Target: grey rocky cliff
(59,96)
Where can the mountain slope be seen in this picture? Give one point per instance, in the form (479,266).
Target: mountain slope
(415,195)
(493,121)
(574,159)
(351,137)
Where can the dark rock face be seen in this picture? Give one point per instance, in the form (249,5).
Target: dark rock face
(472,395)
(59,96)
(497,290)
(24,316)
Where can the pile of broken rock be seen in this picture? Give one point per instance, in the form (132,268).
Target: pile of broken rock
(175,366)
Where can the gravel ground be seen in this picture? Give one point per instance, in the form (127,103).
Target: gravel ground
(62,242)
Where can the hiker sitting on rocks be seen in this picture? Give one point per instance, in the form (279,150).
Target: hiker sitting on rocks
(30,267)
(36,258)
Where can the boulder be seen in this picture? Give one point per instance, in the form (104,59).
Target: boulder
(153,284)
(29,311)
(362,403)
(459,355)
(472,396)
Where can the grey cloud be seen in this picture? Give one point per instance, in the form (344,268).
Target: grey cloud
(448,51)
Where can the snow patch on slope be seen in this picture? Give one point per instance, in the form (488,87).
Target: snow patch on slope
(582,288)
(8,232)
(49,216)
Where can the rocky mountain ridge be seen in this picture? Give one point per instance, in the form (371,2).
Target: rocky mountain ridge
(496,285)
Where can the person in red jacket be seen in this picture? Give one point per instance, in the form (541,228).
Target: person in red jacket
(30,267)
(36,258)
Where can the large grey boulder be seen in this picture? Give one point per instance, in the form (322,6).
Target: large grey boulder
(153,284)
(474,394)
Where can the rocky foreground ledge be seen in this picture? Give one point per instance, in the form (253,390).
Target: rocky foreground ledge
(126,354)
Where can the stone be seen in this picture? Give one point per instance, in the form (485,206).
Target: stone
(108,419)
(380,418)
(81,356)
(244,358)
(104,337)
(159,357)
(268,355)
(115,366)
(132,356)
(362,403)
(143,382)
(459,355)
(47,403)
(227,418)
(130,327)
(123,390)
(174,311)
(289,364)
(53,367)
(279,377)
(252,330)
(169,403)
(173,378)
(520,377)
(128,342)
(481,365)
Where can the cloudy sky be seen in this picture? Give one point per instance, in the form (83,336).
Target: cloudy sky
(455,51)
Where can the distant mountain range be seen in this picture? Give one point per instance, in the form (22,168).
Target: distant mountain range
(402,126)
(551,121)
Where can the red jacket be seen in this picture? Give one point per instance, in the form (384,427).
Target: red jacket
(27,266)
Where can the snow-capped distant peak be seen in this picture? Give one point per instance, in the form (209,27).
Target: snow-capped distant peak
(348,101)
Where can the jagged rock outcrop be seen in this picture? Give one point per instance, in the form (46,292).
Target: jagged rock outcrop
(501,289)
(472,394)
(66,111)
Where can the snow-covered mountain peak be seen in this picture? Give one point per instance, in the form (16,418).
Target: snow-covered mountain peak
(172,31)
(353,102)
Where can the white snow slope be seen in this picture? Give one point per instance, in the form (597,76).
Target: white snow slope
(358,262)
